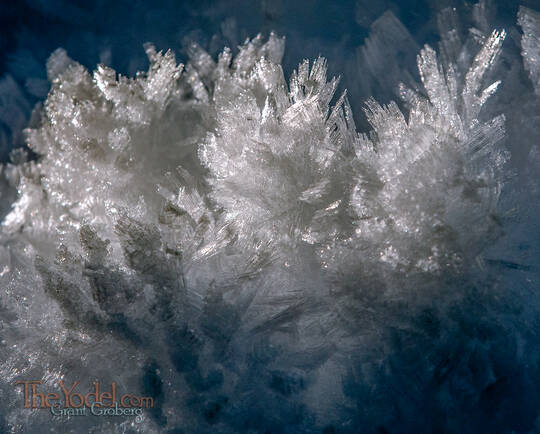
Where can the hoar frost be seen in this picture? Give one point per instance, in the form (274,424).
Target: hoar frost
(230,241)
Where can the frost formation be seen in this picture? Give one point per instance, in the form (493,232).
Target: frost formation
(243,254)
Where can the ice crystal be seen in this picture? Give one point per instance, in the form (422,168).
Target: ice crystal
(529,21)
(243,254)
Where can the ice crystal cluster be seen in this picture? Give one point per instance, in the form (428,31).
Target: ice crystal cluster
(223,239)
